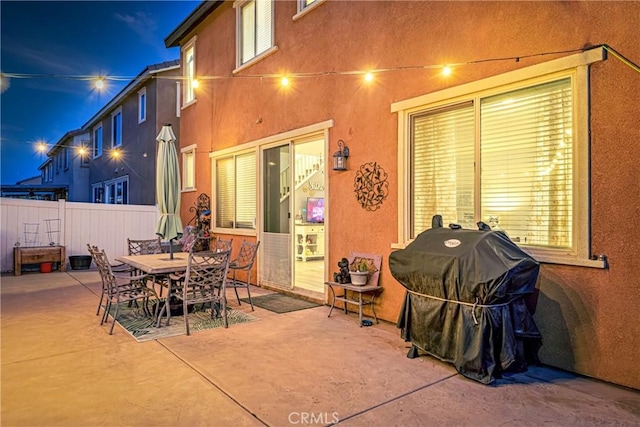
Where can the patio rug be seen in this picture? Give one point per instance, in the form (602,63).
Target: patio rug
(143,328)
(280,303)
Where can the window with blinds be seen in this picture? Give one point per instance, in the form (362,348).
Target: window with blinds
(236,191)
(522,143)
(256,22)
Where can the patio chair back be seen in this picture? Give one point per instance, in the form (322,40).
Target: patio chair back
(222,245)
(243,262)
(205,282)
(144,246)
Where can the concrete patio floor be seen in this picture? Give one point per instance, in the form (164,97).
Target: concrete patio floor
(61,368)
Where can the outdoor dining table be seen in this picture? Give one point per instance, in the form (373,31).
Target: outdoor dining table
(157,263)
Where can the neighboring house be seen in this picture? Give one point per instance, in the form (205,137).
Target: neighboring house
(33,188)
(67,165)
(122,158)
(533,131)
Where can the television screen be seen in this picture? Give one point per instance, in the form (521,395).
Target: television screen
(315,209)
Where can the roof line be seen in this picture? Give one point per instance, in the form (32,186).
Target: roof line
(143,76)
(190,22)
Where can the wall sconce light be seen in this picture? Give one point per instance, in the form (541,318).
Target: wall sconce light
(340,157)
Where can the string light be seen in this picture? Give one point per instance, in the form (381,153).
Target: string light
(41,146)
(99,83)
(446,71)
(195,83)
(368,76)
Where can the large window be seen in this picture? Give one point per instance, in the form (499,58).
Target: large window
(255,29)
(510,151)
(116,128)
(524,152)
(236,191)
(189,168)
(189,72)
(97,141)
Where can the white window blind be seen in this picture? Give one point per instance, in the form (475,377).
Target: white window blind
(236,192)
(189,73)
(246,191)
(248,12)
(443,177)
(189,169)
(526,152)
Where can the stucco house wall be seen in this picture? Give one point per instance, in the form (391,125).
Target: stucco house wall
(586,315)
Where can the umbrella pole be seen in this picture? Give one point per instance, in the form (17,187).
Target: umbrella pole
(170,249)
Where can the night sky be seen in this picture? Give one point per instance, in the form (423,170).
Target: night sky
(67,40)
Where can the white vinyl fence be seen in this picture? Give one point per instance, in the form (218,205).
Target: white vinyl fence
(34,223)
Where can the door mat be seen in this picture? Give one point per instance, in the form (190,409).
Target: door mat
(143,328)
(280,303)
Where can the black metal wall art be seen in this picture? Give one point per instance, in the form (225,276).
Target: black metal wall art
(371,186)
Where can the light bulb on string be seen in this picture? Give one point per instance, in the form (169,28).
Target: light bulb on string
(368,77)
(446,71)
(284,82)
(41,147)
(99,83)
(195,83)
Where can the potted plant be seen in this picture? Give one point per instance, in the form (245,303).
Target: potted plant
(360,276)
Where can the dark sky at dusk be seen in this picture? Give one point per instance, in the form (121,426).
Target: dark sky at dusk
(67,40)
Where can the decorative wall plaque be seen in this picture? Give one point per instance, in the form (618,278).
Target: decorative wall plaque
(371,186)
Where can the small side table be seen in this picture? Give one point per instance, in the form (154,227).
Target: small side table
(371,290)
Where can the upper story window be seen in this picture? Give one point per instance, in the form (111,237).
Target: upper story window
(236,191)
(65,158)
(509,151)
(97,141)
(254,29)
(116,128)
(189,72)
(142,105)
(189,168)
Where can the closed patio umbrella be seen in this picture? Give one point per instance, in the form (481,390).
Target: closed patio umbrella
(168,187)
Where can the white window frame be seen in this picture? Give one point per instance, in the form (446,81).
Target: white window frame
(577,66)
(116,131)
(112,186)
(304,7)
(189,168)
(97,145)
(97,193)
(65,160)
(235,229)
(257,56)
(142,105)
(188,73)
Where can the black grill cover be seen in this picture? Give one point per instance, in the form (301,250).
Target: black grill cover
(465,301)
